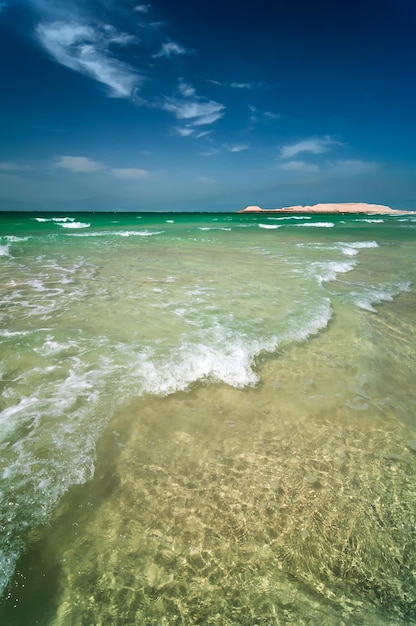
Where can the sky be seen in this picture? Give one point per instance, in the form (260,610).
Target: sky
(173,105)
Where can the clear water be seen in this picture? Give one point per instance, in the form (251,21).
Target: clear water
(207,419)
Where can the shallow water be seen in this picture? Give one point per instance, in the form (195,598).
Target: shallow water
(214,418)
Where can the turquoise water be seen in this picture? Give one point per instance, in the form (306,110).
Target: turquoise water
(207,419)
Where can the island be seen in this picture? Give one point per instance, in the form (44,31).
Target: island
(337,207)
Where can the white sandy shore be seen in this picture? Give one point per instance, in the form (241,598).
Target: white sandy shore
(338,207)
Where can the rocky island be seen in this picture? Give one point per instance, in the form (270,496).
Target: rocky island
(338,207)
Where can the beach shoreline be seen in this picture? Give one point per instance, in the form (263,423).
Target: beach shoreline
(331,208)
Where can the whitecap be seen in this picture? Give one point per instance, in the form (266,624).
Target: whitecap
(37,284)
(291,217)
(377,294)
(213,228)
(319,224)
(327,272)
(138,233)
(119,233)
(352,248)
(5,250)
(14,239)
(270,226)
(71,224)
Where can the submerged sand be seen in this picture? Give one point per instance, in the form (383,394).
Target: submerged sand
(337,207)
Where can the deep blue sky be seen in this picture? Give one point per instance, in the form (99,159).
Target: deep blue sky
(206,105)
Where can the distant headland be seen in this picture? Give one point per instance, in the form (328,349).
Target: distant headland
(338,207)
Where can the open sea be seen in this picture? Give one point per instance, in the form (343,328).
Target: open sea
(207,419)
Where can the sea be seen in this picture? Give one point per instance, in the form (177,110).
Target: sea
(207,419)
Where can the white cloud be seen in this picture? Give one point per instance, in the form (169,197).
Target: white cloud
(313,145)
(12,167)
(268,115)
(238,147)
(86,49)
(257,116)
(236,85)
(84,165)
(352,167)
(185,131)
(330,169)
(210,152)
(120,38)
(186,90)
(299,166)
(169,49)
(142,8)
(79,164)
(130,173)
(196,112)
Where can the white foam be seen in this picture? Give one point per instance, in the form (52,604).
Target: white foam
(55,219)
(74,224)
(213,228)
(37,284)
(72,400)
(319,224)
(13,333)
(5,250)
(353,248)
(369,296)
(270,226)
(363,244)
(291,217)
(14,239)
(120,233)
(139,233)
(51,347)
(327,272)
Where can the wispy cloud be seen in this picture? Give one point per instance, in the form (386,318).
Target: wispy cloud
(85,48)
(210,152)
(3,6)
(186,90)
(258,116)
(313,145)
(330,169)
(196,112)
(85,165)
(131,173)
(142,8)
(12,167)
(170,49)
(235,85)
(185,131)
(352,167)
(79,164)
(238,85)
(79,37)
(299,166)
(206,180)
(237,147)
